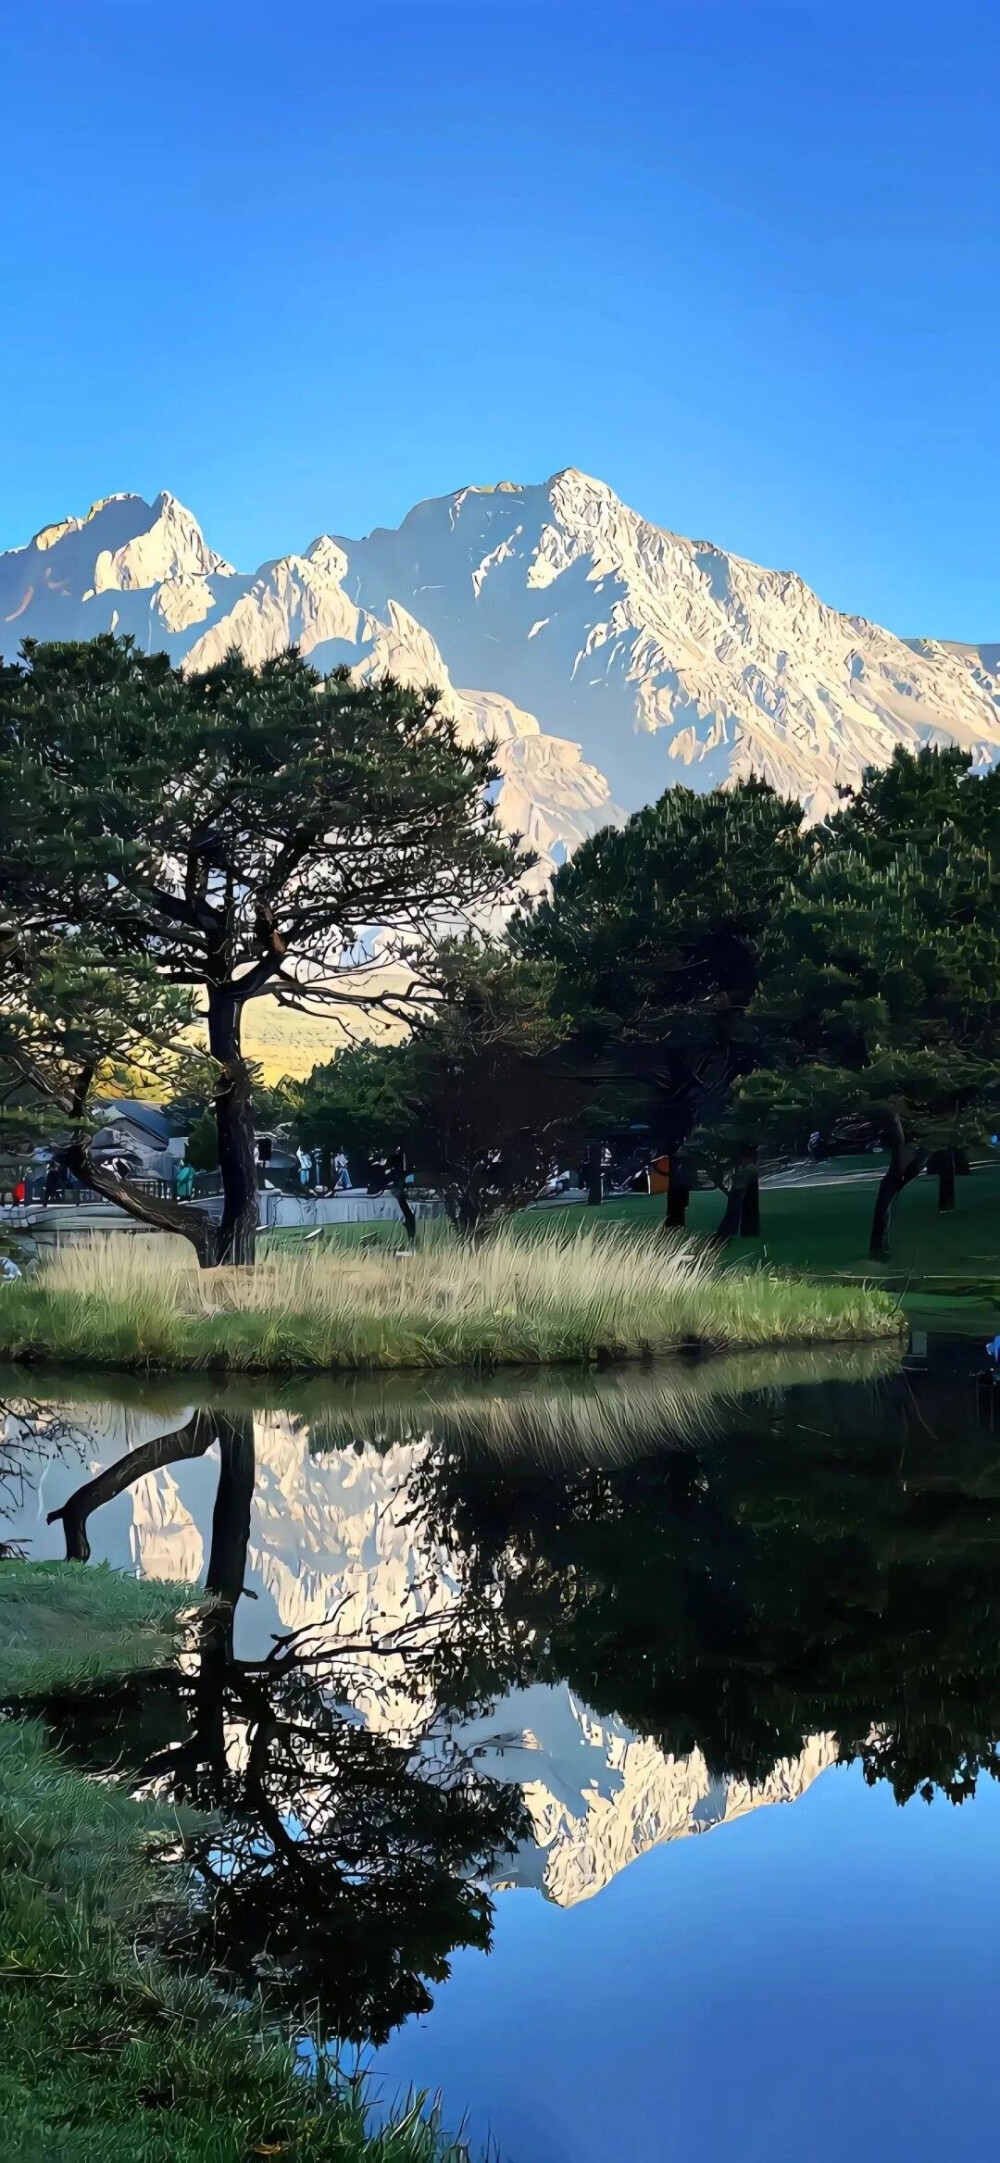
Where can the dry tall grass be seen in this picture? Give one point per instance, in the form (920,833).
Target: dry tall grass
(564,1297)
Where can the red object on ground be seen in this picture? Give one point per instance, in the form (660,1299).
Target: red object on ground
(659,1175)
(20,1191)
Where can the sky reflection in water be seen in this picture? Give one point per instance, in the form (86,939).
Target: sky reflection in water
(644,1608)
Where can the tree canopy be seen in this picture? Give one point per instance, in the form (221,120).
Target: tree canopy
(476,1100)
(654,931)
(244,834)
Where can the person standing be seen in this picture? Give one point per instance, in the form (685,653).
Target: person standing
(305,1166)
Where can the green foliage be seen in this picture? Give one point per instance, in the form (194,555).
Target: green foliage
(71,1021)
(236,820)
(492,1104)
(361,1101)
(202,1151)
(477,1098)
(748,981)
(655,932)
(914,802)
(880,996)
(241,833)
(743,1596)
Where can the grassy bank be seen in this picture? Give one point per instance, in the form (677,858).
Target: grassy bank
(68,1629)
(822,1226)
(574,1296)
(106,2054)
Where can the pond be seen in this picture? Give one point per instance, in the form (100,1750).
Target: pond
(485,1659)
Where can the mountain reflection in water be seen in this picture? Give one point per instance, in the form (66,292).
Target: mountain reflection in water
(466,1638)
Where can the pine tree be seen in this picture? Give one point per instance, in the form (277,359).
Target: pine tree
(880,996)
(655,930)
(243,834)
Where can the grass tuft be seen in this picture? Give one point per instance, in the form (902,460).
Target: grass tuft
(563,1297)
(64,1628)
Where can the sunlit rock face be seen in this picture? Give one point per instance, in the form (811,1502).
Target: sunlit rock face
(146,569)
(625,655)
(339,1544)
(605,656)
(599,1796)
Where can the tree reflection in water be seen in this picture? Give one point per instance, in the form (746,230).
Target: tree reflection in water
(830,1561)
(823,1559)
(341,1868)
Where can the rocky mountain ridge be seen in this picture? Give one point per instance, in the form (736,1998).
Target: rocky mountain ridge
(607,655)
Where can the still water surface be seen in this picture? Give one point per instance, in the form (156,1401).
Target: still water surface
(488,1659)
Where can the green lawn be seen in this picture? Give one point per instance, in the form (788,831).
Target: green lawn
(947,1265)
(824,1228)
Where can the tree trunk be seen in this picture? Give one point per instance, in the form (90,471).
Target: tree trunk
(741,1216)
(164,1216)
(889,1186)
(181,1217)
(227,1559)
(946,1179)
(732,1215)
(595,1175)
(896,1176)
(467,1216)
(406,1213)
(678,1197)
(750,1212)
(236,1237)
(189,1441)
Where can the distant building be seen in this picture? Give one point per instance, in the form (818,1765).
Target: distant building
(136,1132)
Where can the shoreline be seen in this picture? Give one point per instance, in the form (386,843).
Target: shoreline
(690,1351)
(576,1300)
(192,2076)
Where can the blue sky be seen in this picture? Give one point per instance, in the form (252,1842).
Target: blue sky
(307,265)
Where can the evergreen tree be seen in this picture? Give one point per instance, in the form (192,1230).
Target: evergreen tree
(880,995)
(241,832)
(475,1101)
(922,799)
(655,931)
(75,1029)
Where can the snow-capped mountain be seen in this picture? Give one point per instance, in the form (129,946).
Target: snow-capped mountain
(147,570)
(608,656)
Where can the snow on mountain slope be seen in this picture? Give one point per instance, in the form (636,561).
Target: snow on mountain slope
(606,656)
(124,546)
(146,569)
(624,656)
(668,659)
(338,1539)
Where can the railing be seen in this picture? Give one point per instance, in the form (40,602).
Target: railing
(70,1194)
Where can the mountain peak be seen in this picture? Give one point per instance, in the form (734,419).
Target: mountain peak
(49,536)
(659,658)
(578,478)
(121,544)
